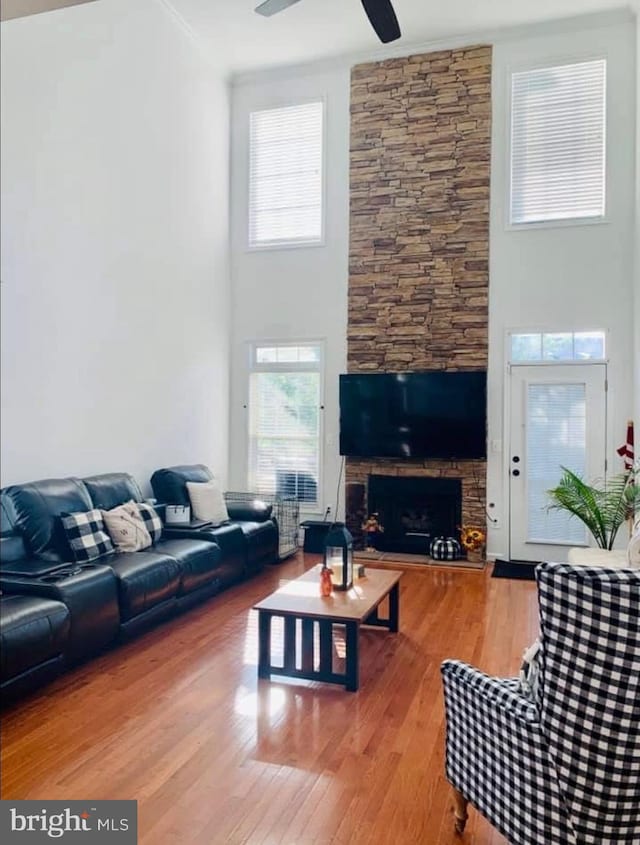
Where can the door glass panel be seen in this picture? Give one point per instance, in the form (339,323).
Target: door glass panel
(556,437)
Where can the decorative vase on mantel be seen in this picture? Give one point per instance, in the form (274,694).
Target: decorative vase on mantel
(475,555)
(472,539)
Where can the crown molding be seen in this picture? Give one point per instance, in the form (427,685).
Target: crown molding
(198,42)
(180,20)
(346,61)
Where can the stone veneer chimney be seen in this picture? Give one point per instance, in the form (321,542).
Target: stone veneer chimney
(419,235)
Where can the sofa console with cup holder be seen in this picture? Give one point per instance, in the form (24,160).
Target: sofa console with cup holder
(61,609)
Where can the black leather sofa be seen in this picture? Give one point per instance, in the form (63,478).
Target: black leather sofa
(252,528)
(115,595)
(34,633)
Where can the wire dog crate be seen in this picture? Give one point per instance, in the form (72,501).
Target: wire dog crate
(286,512)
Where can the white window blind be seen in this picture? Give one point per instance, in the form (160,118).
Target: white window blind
(556,437)
(284,422)
(285,175)
(558,143)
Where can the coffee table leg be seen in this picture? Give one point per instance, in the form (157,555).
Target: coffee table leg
(352,657)
(290,643)
(307,646)
(326,647)
(394,608)
(264,644)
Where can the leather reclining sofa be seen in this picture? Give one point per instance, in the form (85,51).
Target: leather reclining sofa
(251,529)
(55,611)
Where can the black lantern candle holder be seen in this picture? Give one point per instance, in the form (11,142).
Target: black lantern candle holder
(338,556)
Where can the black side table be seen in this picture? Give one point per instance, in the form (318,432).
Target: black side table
(315,533)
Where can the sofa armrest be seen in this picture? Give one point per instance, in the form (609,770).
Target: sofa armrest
(176,532)
(503,693)
(228,537)
(89,590)
(28,567)
(12,548)
(249,511)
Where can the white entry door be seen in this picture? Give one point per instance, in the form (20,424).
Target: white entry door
(558,418)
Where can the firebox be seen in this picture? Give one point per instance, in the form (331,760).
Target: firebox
(414,510)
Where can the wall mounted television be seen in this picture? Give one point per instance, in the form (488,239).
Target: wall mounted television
(439,415)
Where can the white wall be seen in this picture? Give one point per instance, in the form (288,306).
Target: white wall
(299,293)
(570,277)
(636,279)
(115,294)
(567,277)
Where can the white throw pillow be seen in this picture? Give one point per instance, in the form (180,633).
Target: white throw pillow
(127,528)
(207,502)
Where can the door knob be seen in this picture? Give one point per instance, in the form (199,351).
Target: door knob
(516,472)
(516,459)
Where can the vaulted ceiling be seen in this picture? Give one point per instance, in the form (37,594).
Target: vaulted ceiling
(238,39)
(21,8)
(241,40)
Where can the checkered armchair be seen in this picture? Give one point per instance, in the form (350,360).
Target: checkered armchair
(564,768)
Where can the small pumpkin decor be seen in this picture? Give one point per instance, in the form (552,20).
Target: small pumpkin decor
(445,548)
(473,540)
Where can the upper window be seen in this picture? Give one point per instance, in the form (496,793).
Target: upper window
(558,143)
(285,176)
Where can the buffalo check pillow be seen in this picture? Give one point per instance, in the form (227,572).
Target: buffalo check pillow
(152,521)
(86,535)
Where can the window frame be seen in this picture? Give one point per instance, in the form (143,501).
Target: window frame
(303,366)
(538,64)
(553,362)
(273,105)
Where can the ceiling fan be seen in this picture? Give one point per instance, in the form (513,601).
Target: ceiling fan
(380,13)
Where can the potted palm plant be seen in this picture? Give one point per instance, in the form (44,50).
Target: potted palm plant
(602,509)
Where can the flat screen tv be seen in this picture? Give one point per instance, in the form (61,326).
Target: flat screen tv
(413,415)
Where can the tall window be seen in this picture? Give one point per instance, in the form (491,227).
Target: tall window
(284,421)
(285,176)
(558,143)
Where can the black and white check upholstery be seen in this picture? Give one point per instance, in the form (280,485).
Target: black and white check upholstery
(152,521)
(86,535)
(564,769)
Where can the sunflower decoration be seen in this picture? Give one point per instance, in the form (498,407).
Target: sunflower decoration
(472,538)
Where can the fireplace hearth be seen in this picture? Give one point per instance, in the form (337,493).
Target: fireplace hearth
(414,510)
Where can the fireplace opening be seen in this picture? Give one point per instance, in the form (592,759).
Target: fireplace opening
(414,511)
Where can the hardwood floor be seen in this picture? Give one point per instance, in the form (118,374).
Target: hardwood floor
(177,719)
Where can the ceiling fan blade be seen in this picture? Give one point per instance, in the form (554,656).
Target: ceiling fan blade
(383,19)
(272,7)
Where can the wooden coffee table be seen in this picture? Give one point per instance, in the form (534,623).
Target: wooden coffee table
(300,599)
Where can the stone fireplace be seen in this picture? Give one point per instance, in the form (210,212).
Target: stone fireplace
(414,510)
(419,254)
(426,497)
